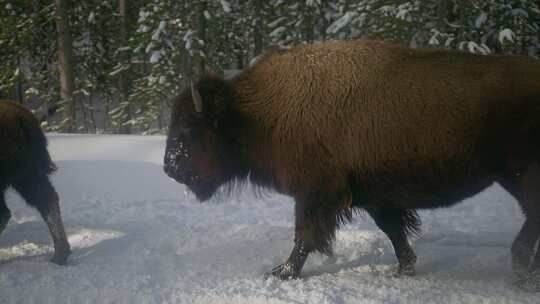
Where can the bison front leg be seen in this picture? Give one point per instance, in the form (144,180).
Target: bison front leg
(397,224)
(315,229)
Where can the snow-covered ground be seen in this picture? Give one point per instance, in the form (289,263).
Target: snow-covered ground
(139,237)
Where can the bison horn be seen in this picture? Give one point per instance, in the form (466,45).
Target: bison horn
(197,99)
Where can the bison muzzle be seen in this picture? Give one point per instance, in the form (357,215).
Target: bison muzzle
(367,125)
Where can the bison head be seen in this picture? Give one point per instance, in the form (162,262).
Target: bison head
(196,152)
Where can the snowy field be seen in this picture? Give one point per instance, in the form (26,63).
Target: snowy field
(139,237)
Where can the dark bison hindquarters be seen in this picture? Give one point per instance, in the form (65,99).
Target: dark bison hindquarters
(25,165)
(368,125)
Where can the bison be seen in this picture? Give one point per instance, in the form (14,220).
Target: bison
(25,165)
(367,125)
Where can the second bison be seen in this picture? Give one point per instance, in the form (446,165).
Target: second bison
(368,125)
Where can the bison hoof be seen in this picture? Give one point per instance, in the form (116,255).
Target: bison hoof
(285,271)
(405,270)
(61,256)
(530,282)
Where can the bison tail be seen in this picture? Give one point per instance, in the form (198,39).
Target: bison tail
(37,143)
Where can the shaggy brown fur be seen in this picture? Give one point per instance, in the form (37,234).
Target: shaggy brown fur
(25,165)
(369,125)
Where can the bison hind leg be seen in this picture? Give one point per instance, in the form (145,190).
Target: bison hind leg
(39,193)
(397,224)
(524,186)
(530,280)
(524,245)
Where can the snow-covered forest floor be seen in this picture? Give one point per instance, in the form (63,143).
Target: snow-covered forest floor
(139,237)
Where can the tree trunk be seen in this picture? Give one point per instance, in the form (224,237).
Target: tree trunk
(65,68)
(19,81)
(324,22)
(93,124)
(258,30)
(309,26)
(187,68)
(200,61)
(123,84)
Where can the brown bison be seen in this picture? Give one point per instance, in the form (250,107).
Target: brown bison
(367,125)
(25,165)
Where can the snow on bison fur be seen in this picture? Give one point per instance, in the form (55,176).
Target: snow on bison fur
(25,165)
(367,125)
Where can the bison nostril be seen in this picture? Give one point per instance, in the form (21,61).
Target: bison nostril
(178,175)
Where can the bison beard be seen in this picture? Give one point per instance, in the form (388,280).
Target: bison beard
(25,165)
(366,125)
